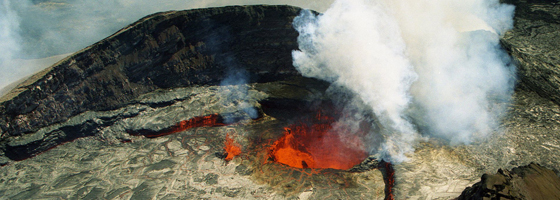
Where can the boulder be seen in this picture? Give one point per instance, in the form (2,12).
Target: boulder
(526,182)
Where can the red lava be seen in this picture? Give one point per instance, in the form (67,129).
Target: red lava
(199,121)
(231,147)
(318,145)
(389,180)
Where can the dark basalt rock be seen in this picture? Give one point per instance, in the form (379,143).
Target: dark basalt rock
(163,50)
(527,182)
(533,43)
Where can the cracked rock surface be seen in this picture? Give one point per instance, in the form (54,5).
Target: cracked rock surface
(533,43)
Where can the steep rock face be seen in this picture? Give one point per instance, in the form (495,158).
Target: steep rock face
(534,43)
(527,182)
(163,50)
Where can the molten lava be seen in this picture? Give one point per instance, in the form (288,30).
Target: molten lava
(198,121)
(389,179)
(318,145)
(232,148)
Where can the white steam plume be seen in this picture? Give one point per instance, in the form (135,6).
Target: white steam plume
(454,46)
(429,66)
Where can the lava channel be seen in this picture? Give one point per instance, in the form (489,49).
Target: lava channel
(212,120)
(231,147)
(318,145)
(389,179)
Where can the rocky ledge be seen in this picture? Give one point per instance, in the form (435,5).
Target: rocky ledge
(527,182)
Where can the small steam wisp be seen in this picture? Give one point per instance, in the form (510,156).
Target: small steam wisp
(429,67)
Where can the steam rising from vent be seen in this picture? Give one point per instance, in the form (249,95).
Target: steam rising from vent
(235,90)
(432,68)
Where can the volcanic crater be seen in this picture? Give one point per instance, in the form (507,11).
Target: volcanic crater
(150,112)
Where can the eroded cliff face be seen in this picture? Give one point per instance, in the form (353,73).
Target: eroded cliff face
(163,50)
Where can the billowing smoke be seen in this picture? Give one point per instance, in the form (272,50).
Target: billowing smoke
(31,29)
(430,68)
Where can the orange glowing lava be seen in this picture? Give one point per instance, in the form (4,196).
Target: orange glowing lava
(232,148)
(318,145)
(198,121)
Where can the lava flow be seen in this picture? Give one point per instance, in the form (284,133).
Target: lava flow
(198,121)
(318,145)
(389,178)
(232,148)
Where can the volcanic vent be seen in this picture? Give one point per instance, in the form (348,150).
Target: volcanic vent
(157,80)
(319,147)
(315,143)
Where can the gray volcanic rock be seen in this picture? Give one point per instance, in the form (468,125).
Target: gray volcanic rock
(527,182)
(534,44)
